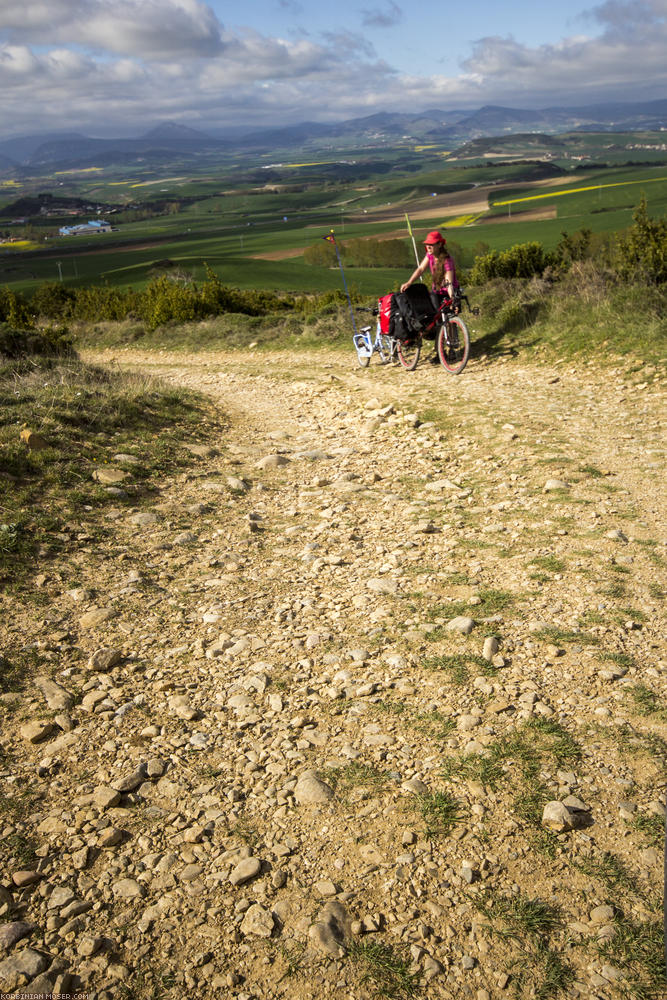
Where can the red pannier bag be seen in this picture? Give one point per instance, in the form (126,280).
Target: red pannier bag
(385,310)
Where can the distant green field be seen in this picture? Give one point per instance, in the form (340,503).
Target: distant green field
(247,232)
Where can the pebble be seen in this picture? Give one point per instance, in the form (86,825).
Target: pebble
(245,871)
(12,933)
(559,818)
(461,624)
(555,484)
(20,967)
(258,922)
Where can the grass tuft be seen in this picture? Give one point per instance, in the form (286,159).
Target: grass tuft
(439,811)
(389,973)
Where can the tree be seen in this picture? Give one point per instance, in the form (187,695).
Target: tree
(641,253)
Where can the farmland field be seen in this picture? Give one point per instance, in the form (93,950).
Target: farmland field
(251,225)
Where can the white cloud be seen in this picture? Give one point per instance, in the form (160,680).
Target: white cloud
(122,66)
(151,29)
(16,62)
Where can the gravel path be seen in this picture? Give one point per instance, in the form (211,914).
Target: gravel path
(375,688)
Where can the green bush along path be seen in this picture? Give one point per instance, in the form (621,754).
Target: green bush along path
(365,700)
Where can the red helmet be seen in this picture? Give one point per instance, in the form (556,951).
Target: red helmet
(435,237)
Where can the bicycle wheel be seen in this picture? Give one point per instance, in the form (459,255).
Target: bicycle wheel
(363,349)
(409,351)
(453,345)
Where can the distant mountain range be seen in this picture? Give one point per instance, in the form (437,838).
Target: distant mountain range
(33,154)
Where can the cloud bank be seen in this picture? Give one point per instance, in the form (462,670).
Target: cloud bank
(124,65)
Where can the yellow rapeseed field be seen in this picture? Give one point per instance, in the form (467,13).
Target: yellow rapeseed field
(592,187)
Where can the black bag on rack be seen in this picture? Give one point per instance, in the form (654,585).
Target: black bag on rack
(415,308)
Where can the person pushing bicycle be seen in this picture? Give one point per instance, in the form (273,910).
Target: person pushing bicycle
(443,270)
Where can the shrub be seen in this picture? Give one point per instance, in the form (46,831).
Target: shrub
(16,344)
(641,253)
(14,309)
(53,300)
(521,261)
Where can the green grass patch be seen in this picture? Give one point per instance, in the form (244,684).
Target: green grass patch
(440,813)
(353,775)
(85,416)
(637,948)
(550,563)
(22,849)
(624,660)
(516,761)
(651,827)
(592,471)
(492,602)
(647,702)
(456,666)
(632,742)
(387,971)
(557,635)
(539,970)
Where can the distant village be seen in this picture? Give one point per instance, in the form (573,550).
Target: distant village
(92,227)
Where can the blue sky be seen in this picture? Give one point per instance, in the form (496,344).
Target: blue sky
(402,35)
(121,66)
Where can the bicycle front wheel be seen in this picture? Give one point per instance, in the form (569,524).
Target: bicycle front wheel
(363,349)
(453,345)
(409,351)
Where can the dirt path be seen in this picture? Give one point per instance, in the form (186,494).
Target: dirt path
(352,656)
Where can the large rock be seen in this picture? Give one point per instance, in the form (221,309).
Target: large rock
(563,816)
(246,870)
(461,624)
(96,617)
(38,731)
(56,697)
(21,966)
(10,934)
(104,659)
(312,790)
(257,922)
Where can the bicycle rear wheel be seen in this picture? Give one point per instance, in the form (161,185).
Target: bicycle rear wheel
(453,345)
(409,351)
(386,348)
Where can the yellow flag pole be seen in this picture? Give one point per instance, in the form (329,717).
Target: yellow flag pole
(414,245)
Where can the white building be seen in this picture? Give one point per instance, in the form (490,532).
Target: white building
(86,228)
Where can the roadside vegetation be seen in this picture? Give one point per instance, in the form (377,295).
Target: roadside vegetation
(64,423)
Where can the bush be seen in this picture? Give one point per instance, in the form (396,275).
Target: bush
(641,253)
(521,261)
(49,342)
(166,299)
(53,300)
(14,309)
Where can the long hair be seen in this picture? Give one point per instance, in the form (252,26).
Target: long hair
(441,255)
